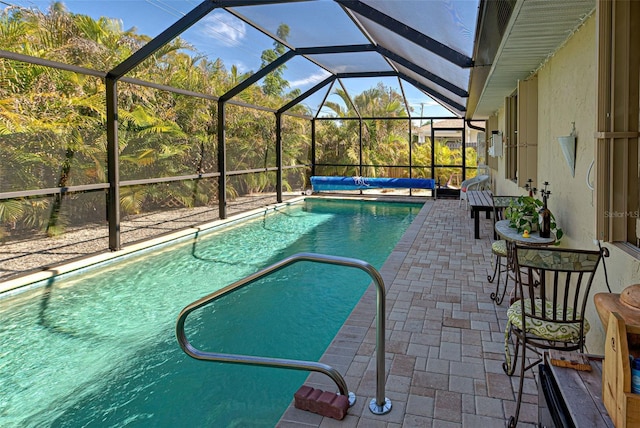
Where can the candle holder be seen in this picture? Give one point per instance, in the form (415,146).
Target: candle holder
(532,190)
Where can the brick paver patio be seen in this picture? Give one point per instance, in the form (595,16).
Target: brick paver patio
(444,336)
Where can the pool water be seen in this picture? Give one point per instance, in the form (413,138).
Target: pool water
(99,349)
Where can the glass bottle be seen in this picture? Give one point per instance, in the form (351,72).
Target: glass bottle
(544,217)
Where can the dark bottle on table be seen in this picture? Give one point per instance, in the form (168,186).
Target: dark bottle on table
(544,218)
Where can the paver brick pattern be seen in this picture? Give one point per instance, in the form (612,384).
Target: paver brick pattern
(444,335)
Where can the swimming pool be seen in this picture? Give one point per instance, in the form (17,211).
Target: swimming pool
(98,349)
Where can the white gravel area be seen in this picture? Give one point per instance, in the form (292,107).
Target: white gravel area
(41,252)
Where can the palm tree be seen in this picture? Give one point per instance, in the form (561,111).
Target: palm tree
(384,141)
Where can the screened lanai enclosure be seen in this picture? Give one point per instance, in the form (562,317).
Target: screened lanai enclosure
(114,115)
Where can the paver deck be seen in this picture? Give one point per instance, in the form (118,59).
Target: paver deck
(444,336)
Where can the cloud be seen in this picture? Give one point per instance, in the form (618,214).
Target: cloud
(225,28)
(314,78)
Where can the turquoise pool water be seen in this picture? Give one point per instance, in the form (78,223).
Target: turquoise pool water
(98,349)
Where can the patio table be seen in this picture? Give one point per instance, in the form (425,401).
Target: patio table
(513,237)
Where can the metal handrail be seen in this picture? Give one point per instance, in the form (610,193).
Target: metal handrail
(379,405)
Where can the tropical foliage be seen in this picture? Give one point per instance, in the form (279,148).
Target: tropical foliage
(384,141)
(52,124)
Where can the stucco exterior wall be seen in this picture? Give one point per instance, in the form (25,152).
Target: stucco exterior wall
(567,94)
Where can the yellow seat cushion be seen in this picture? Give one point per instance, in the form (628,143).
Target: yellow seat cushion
(499,248)
(553,331)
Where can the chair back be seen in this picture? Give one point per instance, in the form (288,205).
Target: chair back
(558,280)
(482,181)
(476,182)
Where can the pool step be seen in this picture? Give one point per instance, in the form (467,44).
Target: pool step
(321,402)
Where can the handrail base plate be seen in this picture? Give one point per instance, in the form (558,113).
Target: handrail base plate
(380,410)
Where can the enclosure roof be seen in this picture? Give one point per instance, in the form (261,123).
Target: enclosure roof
(424,46)
(427,44)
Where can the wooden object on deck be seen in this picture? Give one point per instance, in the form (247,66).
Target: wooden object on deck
(626,304)
(572,360)
(581,393)
(622,405)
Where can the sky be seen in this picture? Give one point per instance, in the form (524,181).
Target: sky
(222,35)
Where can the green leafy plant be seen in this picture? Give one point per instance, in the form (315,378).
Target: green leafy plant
(522,214)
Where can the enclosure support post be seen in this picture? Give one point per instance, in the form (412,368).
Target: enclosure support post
(433,155)
(113,169)
(464,150)
(410,155)
(222,160)
(313,147)
(279,157)
(360,166)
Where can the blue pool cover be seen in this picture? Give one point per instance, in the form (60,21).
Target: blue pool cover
(321,183)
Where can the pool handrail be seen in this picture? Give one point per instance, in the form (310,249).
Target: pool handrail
(380,405)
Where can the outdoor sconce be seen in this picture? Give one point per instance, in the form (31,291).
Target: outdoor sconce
(568,146)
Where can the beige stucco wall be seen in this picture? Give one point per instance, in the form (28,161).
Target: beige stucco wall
(567,94)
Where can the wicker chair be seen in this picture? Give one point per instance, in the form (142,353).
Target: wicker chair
(479,182)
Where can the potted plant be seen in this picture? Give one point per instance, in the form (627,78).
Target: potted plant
(522,214)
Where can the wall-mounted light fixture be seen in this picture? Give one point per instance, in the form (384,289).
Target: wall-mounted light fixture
(568,146)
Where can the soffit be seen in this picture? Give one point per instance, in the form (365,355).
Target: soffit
(536,30)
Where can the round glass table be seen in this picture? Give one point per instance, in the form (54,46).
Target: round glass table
(512,235)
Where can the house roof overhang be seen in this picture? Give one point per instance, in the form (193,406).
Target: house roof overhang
(514,40)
